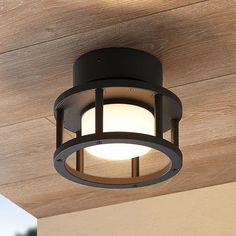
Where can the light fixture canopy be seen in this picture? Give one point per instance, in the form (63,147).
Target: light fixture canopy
(117,105)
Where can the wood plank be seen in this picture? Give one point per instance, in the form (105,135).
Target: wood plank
(205,165)
(27,150)
(208,138)
(194,43)
(51,19)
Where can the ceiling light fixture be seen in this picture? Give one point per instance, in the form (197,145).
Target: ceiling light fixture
(118,110)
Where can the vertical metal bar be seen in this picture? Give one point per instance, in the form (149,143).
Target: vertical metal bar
(79,157)
(175,131)
(99,110)
(135,167)
(59,127)
(158,108)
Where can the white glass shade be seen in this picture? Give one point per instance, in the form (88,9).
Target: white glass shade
(119,118)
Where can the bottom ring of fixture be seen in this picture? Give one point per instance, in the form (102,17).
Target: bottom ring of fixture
(74,145)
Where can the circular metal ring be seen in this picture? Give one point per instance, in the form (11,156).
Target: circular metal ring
(76,99)
(76,144)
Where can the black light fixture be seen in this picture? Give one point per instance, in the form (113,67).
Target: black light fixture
(118,110)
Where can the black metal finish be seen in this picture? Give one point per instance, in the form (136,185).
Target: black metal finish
(79,157)
(80,160)
(159,115)
(135,166)
(74,100)
(109,63)
(175,132)
(164,146)
(117,75)
(99,110)
(59,127)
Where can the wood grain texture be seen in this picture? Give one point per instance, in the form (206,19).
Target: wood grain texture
(27,22)
(197,46)
(205,165)
(194,43)
(208,142)
(26,150)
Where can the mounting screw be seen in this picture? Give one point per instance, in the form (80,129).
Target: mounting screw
(59,159)
(175,169)
(99,142)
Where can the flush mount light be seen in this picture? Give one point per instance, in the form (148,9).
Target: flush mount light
(118,110)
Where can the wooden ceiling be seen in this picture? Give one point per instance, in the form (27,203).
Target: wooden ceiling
(40,40)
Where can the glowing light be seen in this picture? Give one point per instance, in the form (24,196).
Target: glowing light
(119,118)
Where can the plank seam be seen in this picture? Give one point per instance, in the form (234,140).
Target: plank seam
(70,35)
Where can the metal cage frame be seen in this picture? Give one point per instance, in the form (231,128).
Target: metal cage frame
(164,104)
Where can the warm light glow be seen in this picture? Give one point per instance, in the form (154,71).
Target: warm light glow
(119,118)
